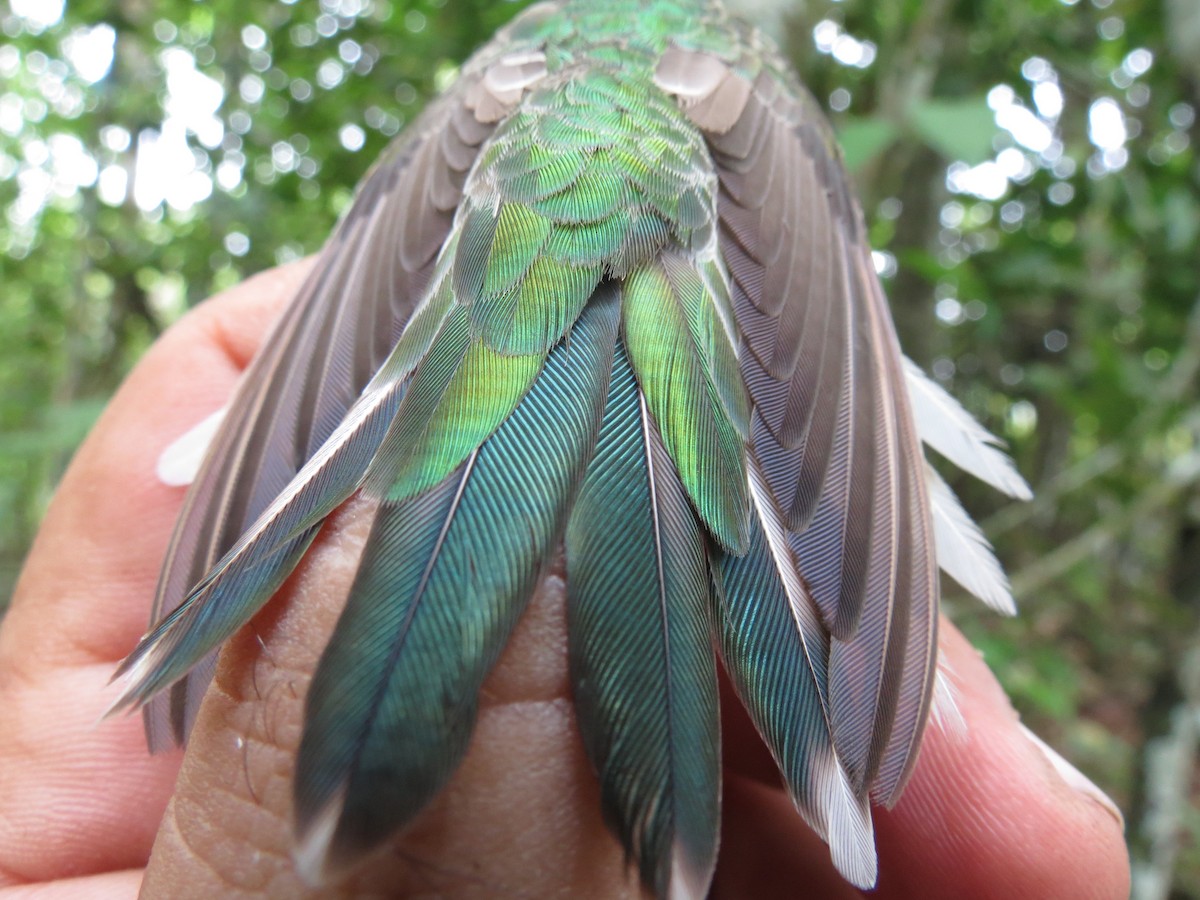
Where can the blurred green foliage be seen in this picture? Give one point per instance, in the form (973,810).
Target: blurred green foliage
(1029,169)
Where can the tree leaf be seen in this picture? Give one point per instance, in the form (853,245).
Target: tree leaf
(863,138)
(957,129)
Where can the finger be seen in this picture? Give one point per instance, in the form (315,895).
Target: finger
(520,817)
(109,886)
(77,797)
(767,852)
(985,815)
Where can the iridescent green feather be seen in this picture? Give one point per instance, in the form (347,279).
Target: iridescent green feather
(589,243)
(444,577)
(536,171)
(579,127)
(459,395)
(640,649)
(776,653)
(535,313)
(520,233)
(704,301)
(599,192)
(678,360)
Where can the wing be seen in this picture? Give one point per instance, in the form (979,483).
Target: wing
(831,429)
(324,350)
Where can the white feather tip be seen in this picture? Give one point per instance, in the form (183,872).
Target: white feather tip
(180,462)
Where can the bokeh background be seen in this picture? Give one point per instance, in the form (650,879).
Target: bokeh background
(1029,170)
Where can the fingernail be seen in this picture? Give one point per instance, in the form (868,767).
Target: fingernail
(1076,779)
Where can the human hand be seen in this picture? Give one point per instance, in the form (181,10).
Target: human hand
(986,815)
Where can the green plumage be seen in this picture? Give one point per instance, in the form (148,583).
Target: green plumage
(678,354)
(462,391)
(639,627)
(517,237)
(595,285)
(537,171)
(445,576)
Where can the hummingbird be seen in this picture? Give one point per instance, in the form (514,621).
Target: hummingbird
(611,292)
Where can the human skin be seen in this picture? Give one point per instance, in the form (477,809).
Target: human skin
(86,812)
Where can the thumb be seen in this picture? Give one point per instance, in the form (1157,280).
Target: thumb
(519,818)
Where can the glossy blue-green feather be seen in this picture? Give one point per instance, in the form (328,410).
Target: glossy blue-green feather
(443,579)
(641,657)
(776,653)
(254,568)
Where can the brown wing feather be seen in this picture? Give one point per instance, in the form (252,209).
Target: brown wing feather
(322,352)
(832,427)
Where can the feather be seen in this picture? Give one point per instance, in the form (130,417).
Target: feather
(459,395)
(441,584)
(950,430)
(680,354)
(246,576)
(776,652)
(944,712)
(600,175)
(832,428)
(180,462)
(691,76)
(326,346)
(641,660)
(808,369)
(963,552)
(250,571)
(913,664)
